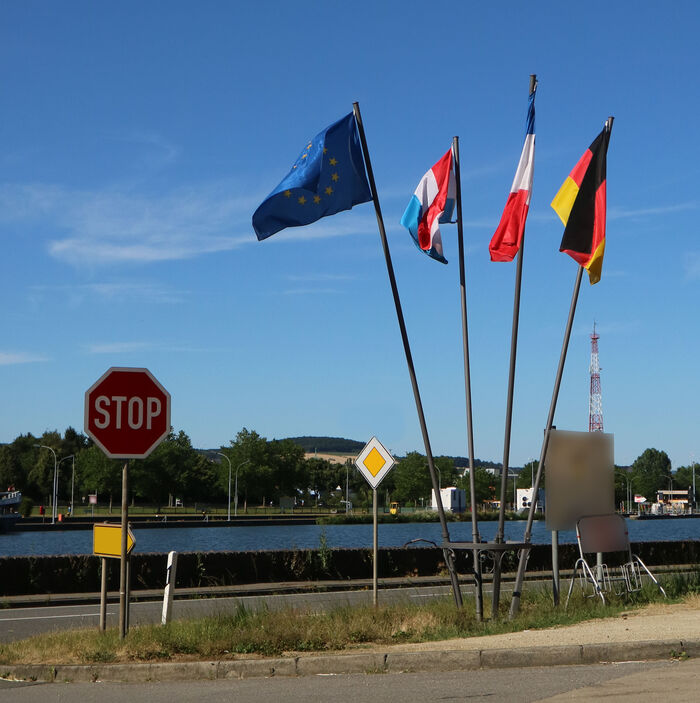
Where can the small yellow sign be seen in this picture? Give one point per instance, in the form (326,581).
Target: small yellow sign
(107,540)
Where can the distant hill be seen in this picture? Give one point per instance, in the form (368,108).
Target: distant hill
(340,445)
(328,445)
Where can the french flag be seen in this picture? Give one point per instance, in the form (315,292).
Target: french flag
(505,243)
(432,204)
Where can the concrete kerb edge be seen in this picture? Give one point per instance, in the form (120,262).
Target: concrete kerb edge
(362,662)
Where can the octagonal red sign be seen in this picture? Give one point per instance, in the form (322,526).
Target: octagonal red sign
(127,413)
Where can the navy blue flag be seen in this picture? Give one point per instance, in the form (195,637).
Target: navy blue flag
(329,176)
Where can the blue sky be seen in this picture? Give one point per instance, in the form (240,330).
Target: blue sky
(138,138)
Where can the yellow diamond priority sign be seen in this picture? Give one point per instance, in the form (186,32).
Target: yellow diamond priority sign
(107,540)
(374,462)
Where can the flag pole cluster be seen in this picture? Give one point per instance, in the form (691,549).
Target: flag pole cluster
(333,173)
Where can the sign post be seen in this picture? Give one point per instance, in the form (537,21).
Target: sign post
(106,543)
(127,414)
(374,463)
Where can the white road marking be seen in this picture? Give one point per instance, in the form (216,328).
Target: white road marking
(55,617)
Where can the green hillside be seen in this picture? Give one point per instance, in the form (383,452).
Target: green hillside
(328,445)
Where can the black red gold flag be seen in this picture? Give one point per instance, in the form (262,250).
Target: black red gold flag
(580,204)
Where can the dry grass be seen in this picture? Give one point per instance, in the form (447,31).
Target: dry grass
(263,633)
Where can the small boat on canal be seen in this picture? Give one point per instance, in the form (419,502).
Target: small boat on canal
(9,509)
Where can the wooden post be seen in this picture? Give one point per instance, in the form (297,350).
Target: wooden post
(103,596)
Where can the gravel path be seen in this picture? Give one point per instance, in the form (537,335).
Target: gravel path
(655,622)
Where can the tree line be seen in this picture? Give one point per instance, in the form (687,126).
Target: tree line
(266,471)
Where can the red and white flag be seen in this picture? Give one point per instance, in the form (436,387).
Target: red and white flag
(505,243)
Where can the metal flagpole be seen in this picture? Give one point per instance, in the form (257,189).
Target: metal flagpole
(524,553)
(509,409)
(478,592)
(449,558)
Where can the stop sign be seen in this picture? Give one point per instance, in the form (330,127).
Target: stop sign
(127,413)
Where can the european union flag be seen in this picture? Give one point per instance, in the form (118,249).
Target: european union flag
(329,176)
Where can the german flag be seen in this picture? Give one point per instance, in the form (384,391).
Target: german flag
(580,204)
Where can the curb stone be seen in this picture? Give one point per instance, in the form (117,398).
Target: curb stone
(355,663)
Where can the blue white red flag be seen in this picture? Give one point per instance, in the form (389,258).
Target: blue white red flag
(505,243)
(432,204)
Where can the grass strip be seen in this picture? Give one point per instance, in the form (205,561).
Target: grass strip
(230,634)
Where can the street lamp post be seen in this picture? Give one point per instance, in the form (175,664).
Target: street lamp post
(229,483)
(692,509)
(55,481)
(72,480)
(628,494)
(235,501)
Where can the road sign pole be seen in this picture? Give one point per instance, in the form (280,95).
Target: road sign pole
(374,548)
(103,596)
(123,603)
(374,462)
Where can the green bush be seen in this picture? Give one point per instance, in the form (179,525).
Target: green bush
(26,506)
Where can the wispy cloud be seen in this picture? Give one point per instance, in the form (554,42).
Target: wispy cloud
(112,226)
(118,347)
(691,265)
(311,291)
(608,329)
(113,291)
(10,358)
(155,150)
(630,213)
(330,227)
(131,347)
(320,277)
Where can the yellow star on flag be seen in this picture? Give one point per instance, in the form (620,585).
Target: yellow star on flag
(333,161)
(302,200)
(287,193)
(334,177)
(317,199)
(329,190)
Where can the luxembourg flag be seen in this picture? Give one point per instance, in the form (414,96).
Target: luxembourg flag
(431,205)
(505,243)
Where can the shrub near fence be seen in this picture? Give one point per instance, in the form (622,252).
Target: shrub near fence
(29,575)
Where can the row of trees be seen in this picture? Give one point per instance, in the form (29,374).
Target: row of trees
(651,472)
(266,471)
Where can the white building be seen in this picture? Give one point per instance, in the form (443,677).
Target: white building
(524,499)
(454,500)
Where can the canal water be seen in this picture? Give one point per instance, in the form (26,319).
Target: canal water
(241,538)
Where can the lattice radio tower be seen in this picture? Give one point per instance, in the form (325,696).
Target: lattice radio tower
(595,399)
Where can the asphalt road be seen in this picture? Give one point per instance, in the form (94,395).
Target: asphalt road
(630,681)
(19,623)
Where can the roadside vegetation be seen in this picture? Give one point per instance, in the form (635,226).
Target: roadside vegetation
(229,635)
